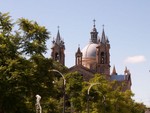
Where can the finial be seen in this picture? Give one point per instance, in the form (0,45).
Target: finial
(78,45)
(58,27)
(126,68)
(94,22)
(103,26)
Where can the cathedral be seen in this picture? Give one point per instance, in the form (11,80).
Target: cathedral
(93,58)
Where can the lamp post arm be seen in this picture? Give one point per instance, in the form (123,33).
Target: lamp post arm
(88,110)
(61,75)
(92,86)
(64,84)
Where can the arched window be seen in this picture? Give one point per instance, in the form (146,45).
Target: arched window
(102,57)
(56,56)
(79,60)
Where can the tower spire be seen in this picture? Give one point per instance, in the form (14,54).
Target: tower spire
(78,51)
(58,38)
(103,38)
(58,49)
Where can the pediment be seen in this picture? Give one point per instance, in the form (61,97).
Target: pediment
(85,72)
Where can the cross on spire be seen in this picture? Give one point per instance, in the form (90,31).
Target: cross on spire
(103,26)
(94,22)
(78,45)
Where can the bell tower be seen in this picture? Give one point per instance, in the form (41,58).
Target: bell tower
(58,49)
(103,55)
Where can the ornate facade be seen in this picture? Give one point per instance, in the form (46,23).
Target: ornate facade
(93,58)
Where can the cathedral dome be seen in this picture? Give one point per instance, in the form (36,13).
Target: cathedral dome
(89,51)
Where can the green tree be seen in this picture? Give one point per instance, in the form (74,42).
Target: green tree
(106,97)
(22,78)
(11,69)
(74,86)
(5,23)
(34,37)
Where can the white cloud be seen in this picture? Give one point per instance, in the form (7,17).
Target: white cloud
(135,59)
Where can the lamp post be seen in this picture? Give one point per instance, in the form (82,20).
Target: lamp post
(88,92)
(64,84)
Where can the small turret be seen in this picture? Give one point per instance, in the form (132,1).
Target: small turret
(94,33)
(114,71)
(78,57)
(126,71)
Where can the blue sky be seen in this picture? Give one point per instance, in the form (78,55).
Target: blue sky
(127,25)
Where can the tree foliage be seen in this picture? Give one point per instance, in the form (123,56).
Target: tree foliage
(34,37)
(20,77)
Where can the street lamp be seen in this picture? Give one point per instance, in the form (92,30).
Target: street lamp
(88,92)
(64,84)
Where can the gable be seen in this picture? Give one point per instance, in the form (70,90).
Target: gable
(85,72)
